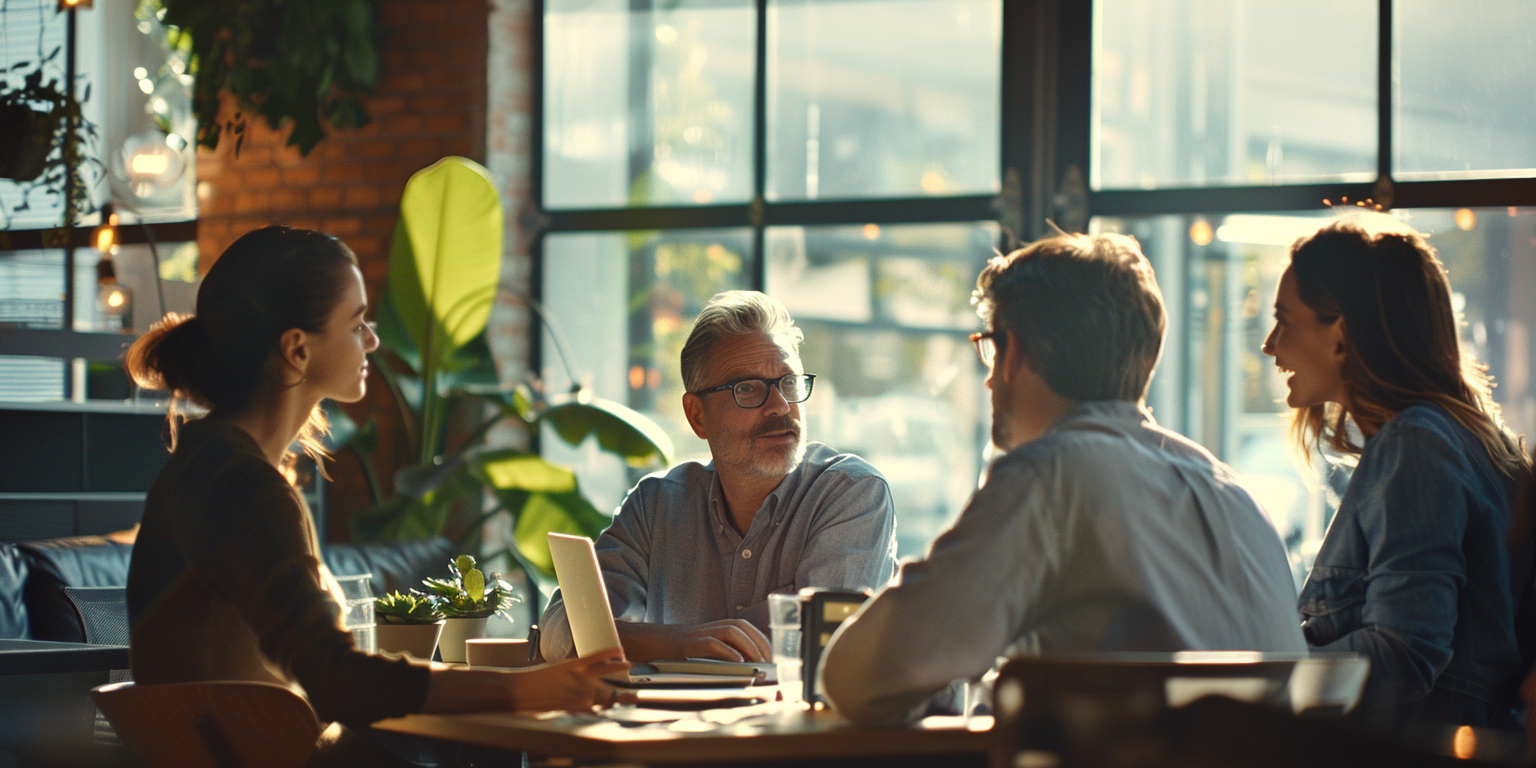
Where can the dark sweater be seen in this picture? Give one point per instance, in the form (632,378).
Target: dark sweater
(225,585)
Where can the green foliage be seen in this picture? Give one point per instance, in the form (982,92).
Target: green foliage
(467,594)
(444,273)
(408,608)
(444,267)
(299,63)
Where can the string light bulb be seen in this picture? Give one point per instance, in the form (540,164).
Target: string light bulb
(104,239)
(113,299)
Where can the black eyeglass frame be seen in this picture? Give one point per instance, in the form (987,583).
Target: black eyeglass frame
(770,385)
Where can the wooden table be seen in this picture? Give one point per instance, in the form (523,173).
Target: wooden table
(760,733)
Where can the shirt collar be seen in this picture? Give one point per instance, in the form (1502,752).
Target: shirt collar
(774,505)
(1101,411)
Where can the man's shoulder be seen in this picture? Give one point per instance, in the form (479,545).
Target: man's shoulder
(679,478)
(1091,449)
(824,460)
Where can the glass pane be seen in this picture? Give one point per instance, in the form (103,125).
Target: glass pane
(1233,92)
(1490,254)
(134,87)
(1466,70)
(623,304)
(888,98)
(885,312)
(647,107)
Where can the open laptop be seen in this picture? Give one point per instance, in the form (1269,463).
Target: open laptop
(593,628)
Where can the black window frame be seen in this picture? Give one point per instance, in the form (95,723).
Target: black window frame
(1045,154)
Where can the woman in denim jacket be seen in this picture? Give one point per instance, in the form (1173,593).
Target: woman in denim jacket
(1417,570)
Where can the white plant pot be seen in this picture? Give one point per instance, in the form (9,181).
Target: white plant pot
(418,640)
(455,632)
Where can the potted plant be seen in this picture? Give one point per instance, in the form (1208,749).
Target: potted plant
(45,141)
(467,599)
(408,623)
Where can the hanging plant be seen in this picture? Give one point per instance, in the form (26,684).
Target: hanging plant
(299,64)
(45,141)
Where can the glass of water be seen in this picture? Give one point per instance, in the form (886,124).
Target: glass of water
(784,624)
(356,600)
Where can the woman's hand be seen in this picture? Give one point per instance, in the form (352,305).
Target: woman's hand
(573,686)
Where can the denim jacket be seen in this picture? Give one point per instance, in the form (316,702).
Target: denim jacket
(1416,572)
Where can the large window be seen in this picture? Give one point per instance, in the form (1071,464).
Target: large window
(135,89)
(1219,130)
(697,146)
(860,159)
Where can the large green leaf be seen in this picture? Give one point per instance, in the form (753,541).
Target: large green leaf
(445,262)
(545,513)
(470,364)
(509,468)
(619,429)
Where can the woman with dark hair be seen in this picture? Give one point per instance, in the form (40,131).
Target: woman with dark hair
(226,581)
(1416,571)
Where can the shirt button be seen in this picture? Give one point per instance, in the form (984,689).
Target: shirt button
(746,554)
(739,607)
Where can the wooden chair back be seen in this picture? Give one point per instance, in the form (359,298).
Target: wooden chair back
(225,724)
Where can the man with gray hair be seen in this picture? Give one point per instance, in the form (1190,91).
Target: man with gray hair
(694,552)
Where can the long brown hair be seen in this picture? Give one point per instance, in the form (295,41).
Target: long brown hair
(1400,334)
(265,283)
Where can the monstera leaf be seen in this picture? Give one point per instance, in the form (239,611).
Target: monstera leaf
(512,469)
(542,498)
(546,513)
(618,428)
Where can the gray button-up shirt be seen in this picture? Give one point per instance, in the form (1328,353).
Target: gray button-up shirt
(673,557)
(1109,533)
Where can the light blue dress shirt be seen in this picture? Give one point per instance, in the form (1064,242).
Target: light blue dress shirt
(1109,533)
(672,555)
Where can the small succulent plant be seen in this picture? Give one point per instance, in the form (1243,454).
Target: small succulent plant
(408,608)
(468,594)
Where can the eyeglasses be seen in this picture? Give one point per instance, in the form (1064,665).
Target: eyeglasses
(752,393)
(987,343)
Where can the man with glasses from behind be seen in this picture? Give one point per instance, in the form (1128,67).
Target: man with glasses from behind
(694,552)
(1097,530)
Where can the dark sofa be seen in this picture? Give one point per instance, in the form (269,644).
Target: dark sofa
(33,575)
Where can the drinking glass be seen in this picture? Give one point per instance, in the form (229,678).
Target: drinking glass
(357,610)
(784,625)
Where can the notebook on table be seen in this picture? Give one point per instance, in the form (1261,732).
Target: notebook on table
(593,629)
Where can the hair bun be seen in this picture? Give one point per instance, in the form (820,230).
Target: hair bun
(169,355)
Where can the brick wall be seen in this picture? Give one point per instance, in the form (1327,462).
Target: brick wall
(430,102)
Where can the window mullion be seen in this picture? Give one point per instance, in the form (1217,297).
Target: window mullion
(1384,82)
(759,148)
